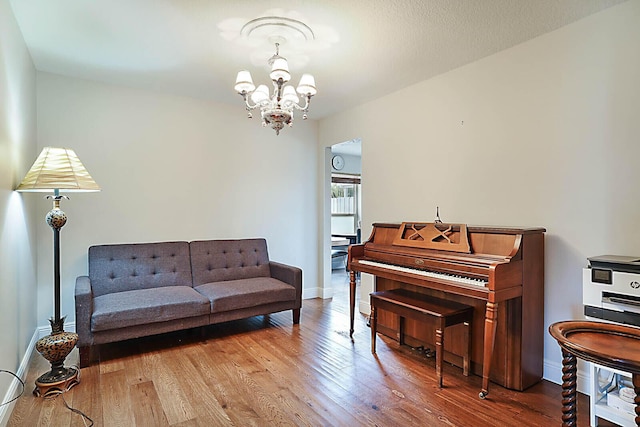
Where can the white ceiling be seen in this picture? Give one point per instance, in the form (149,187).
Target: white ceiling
(365,48)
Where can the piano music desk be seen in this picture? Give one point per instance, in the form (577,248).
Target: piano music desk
(417,306)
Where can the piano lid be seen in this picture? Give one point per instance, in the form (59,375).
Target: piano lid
(497,229)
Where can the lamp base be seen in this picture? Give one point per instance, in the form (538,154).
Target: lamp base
(48,385)
(55,348)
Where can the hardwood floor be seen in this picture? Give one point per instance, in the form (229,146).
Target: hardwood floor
(264,371)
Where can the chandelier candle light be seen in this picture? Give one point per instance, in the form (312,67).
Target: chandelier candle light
(277,109)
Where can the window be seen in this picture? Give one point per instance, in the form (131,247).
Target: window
(343,198)
(345,204)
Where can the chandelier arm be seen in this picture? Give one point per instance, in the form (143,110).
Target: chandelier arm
(307,101)
(246,102)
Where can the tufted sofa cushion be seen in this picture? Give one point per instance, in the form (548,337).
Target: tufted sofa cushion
(143,306)
(238,294)
(222,260)
(125,267)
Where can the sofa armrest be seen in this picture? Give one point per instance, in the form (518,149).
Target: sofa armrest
(290,275)
(84,309)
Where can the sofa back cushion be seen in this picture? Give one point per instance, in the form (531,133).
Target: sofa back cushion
(124,267)
(221,260)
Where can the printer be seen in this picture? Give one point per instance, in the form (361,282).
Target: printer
(611,289)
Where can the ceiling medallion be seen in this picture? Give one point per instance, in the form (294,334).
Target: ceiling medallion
(266,25)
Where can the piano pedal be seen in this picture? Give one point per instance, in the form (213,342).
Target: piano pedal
(419,349)
(426,351)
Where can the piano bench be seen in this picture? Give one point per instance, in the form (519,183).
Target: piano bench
(412,305)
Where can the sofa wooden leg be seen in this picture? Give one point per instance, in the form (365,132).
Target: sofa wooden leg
(296,316)
(85,356)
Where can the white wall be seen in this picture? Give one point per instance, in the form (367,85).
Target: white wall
(174,168)
(543,134)
(17,222)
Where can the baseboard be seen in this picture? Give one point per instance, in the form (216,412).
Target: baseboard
(553,373)
(364,307)
(15,386)
(326,293)
(310,293)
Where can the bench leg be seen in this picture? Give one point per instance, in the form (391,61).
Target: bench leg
(467,349)
(439,345)
(373,320)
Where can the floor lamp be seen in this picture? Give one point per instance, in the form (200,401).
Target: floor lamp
(57,170)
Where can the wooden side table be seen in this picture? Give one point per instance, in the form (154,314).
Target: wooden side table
(611,345)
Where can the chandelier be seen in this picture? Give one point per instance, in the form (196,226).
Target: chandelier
(276,109)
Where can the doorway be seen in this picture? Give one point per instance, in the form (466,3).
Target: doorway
(346,206)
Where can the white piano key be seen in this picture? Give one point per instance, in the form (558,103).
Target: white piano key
(433,274)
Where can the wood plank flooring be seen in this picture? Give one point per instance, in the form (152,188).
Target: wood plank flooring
(264,371)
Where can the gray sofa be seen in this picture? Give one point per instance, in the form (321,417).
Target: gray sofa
(142,289)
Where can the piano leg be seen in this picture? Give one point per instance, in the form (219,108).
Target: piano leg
(352,299)
(439,347)
(490,324)
(374,322)
(467,349)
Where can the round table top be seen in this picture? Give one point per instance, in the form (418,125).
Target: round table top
(612,345)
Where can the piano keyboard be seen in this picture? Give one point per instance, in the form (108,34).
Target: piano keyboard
(433,274)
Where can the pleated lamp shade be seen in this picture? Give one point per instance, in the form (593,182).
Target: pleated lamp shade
(58,169)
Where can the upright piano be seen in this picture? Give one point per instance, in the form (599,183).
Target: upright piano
(497,270)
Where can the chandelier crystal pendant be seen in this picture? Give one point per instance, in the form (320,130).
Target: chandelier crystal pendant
(277,109)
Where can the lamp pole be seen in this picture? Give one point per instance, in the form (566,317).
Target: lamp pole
(56,219)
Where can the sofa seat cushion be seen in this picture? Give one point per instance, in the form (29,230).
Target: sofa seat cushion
(238,294)
(142,306)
